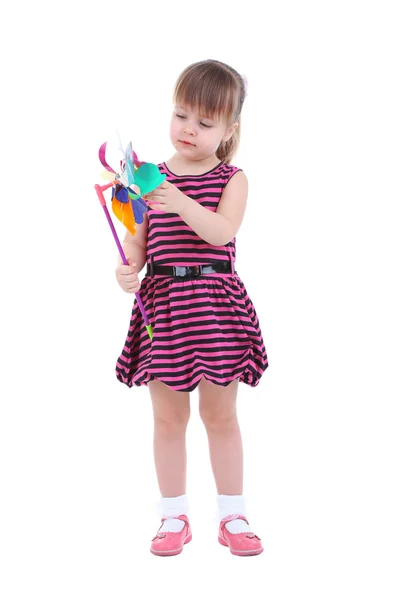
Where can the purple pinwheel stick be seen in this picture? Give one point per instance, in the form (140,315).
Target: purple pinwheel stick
(99,190)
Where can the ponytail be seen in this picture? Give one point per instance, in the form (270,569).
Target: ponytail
(227,150)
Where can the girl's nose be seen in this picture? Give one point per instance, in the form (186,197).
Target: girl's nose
(189,129)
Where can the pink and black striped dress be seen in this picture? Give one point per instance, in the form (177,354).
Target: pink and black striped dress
(202,326)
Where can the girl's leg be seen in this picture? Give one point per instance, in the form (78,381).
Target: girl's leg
(218,413)
(217,407)
(171,412)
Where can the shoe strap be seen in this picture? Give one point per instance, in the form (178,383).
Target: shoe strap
(180,517)
(163,519)
(249,534)
(233,518)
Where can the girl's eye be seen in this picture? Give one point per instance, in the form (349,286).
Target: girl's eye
(203,124)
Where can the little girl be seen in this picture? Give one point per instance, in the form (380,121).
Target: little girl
(206,333)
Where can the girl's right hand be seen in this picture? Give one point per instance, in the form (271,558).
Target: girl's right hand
(127,277)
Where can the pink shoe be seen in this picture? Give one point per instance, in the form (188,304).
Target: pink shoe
(167,543)
(240,544)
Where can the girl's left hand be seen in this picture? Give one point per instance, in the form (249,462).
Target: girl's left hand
(166,198)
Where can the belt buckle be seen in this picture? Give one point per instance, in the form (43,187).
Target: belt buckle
(194,271)
(180,271)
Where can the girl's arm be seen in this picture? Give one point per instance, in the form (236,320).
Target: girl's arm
(220,227)
(135,246)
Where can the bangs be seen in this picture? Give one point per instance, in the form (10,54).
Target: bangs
(211,91)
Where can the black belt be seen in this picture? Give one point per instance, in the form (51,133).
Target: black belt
(194,271)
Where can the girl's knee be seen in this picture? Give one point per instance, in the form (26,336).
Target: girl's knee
(215,418)
(172,420)
(217,405)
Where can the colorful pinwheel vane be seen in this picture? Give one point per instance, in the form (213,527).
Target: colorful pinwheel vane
(133,181)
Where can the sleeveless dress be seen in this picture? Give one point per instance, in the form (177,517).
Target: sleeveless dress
(202,326)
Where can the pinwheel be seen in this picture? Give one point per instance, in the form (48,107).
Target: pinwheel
(128,206)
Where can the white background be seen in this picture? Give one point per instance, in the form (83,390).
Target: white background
(318,252)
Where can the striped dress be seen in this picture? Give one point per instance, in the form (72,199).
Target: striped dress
(202,326)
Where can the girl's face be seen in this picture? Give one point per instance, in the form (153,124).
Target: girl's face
(196,136)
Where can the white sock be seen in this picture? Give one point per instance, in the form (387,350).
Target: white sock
(172,508)
(233,505)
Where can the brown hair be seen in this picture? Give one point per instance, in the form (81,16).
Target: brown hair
(216,89)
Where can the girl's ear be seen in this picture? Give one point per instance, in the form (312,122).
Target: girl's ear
(230,131)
